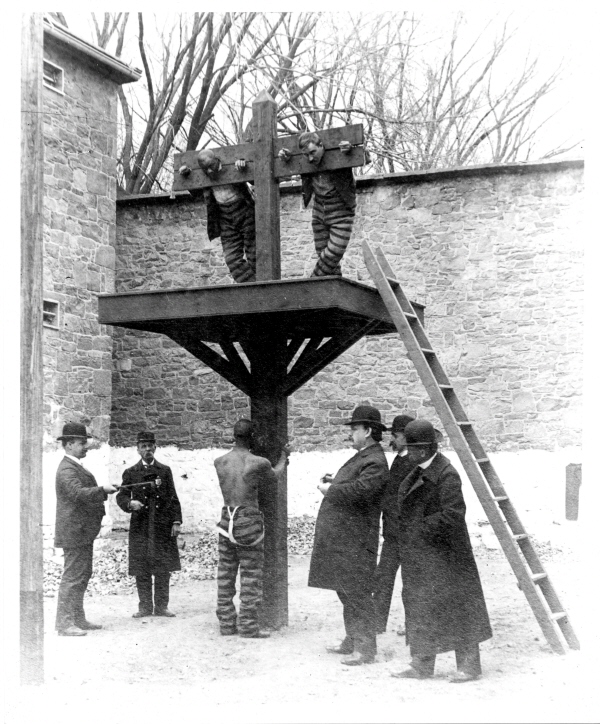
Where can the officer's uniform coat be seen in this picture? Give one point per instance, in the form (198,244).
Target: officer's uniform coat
(151,546)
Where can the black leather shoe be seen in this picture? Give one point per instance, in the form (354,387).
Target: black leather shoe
(164,612)
(410,674)
(228,631)
(462,677)
(141,614)
(71,631)
(358,660)
(344,647)
(88,626)
(257,635)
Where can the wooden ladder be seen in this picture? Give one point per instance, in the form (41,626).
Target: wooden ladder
(516,543)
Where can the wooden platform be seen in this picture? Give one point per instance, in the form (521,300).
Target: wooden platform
(318,306)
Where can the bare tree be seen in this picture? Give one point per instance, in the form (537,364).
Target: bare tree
(425,102)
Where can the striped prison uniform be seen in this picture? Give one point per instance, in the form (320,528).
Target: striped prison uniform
(238,237)
(332,224)
(248,526)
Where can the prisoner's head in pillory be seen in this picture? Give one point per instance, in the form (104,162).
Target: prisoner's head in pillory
(311,147)
(209,162)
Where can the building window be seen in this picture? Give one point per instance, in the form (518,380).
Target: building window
(53,77)
(50,314)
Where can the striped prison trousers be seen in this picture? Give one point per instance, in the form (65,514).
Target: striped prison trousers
(250,561)
(238,238)
(332,226)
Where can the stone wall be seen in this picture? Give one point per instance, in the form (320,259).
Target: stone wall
(495,254)
(79,240)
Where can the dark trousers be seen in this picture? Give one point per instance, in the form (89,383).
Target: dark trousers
(359,619)
(467,661)
(383,584)
(161,591)
(75,578)
(250,562)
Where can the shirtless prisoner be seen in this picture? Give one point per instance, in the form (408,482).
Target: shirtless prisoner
(241,532)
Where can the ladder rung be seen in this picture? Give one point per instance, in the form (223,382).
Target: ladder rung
(426,350)
(392,282)
(410,315)
(463,423)
(445,387)
(520,536)
(535,577)
(558,615)
(482,460)
(500,498)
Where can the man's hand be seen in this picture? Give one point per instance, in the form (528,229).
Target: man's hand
(135,505)
(110,488)
(324,487)
(345,146)
(240,164)
(284,155)
(175,530)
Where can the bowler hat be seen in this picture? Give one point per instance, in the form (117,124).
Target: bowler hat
(146,437)
(367,415)
(400,422)
(73,429)
(420,433)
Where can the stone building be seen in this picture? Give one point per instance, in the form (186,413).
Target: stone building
(80,137)
(79,231)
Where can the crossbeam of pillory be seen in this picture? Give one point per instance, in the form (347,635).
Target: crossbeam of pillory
(271,336)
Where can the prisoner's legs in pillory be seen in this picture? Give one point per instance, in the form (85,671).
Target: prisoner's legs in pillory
(238,238)
(332,228)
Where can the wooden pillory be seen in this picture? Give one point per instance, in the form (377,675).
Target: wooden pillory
(274,335)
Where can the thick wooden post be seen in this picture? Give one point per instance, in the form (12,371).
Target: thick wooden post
(268,253)
(269,412)
(32,163)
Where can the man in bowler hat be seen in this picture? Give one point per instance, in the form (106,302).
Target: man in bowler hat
(389,558)
(441,591)
(79,513)
(347,535)
(148,493)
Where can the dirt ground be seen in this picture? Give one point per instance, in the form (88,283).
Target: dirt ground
(161,669)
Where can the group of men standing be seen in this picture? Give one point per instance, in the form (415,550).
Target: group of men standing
(424,534)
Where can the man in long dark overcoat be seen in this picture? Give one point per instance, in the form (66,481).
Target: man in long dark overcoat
(148,493)
(389,557)
(441,591)
(347,535)
(79,513)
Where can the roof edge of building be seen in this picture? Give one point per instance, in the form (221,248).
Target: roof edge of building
(114,68)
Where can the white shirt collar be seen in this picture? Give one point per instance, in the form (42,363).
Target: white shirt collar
(427,463)
(145,464)
(75,460)
(403,454)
